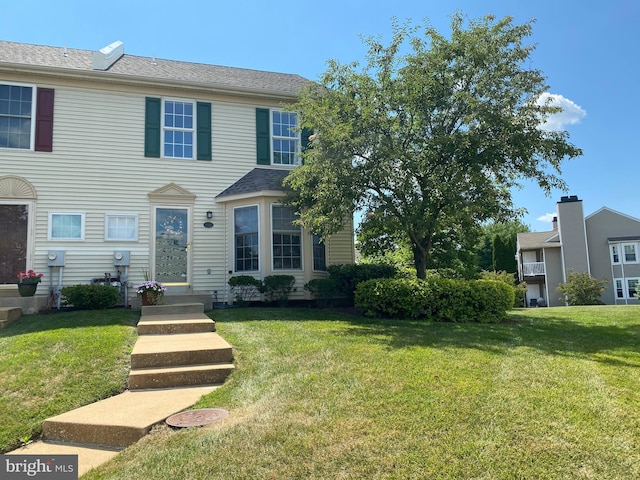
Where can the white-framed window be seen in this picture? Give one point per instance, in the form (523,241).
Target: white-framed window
(285,139)
(319,254)
(624,253)
(286,238)
(178,128)
(615,254)
(626,288)
(619,286)
(246,239)
(17,113)
(121,227)
(632,287)
(630,253)
(66,226)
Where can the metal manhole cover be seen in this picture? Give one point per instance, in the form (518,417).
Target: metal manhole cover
(196,418)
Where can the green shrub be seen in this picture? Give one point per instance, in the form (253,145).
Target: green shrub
(244,289)
(391,297)
(90,297)
(325,291)
(348,276)
(443,300)
(520,289)
(277,288)
(582,289)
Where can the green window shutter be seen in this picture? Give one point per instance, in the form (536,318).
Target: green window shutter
(305,143)
(263,139)
(152,127)
(204,131)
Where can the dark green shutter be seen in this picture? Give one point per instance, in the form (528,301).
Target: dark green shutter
(305,143)
(204,131)
(263,139)
(152,127)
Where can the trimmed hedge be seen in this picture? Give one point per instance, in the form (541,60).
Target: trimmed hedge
(277,288)
(348,276)
(442,300)
(90,297)
(244,289)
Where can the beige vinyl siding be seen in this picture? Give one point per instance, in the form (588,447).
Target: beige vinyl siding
(98,147)
(340,248)
(98,166)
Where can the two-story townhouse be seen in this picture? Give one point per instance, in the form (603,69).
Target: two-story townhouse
(606,244)
(121,166)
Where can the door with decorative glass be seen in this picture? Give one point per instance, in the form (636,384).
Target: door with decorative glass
(171,246)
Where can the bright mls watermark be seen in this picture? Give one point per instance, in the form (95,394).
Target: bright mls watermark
(51,467)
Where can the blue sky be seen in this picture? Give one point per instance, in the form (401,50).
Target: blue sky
(587,50)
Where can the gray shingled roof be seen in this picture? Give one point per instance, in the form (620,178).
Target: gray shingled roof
(257,180)
(537,240)
(153,69)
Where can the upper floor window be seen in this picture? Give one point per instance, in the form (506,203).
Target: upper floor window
(66,226)
(121,226)
(16,114)
(178,129)
(245,225)
(629,253)
(624,253)
(287,239)
(615,254)
(278,140)
(285,138)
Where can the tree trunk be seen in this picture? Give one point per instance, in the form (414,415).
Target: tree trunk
(420,260)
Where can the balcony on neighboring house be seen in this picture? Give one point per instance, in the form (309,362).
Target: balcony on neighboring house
(532,269)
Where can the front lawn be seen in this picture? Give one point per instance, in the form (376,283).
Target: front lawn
(53,363)
(552,393)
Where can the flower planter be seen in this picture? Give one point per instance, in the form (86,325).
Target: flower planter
(150,298)
(27,289)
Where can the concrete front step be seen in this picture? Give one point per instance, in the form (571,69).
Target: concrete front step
(180,349)
(121,420)
(172,309)
(10,313)
(164,377)
(175,323)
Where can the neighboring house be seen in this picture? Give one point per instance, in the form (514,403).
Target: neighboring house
(606,244)
(120,166)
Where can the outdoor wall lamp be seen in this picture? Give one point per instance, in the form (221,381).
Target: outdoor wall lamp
(209,214)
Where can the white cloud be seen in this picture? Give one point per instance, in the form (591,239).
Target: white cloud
(547,217)
(571,112)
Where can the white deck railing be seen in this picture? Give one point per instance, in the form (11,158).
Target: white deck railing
(534,268)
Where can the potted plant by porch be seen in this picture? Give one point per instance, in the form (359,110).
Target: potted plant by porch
(28,283)
(150,292)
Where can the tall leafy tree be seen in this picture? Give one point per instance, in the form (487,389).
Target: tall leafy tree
(508,232)
(430,142)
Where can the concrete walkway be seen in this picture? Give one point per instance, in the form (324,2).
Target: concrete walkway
(97,432)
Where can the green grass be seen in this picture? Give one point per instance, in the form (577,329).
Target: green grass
(53,363)
(552,393)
